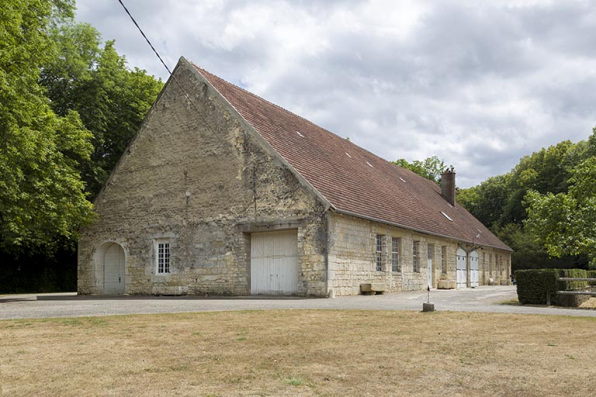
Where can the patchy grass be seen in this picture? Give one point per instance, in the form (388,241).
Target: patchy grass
(510,302)
(300,353)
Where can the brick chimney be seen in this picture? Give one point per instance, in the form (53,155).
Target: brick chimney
(448,185)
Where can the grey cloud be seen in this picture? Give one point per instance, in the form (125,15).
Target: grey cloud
(477,84)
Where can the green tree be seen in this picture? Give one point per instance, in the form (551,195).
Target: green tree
(500,202)
(111,99)
(430,168)
(564,222)
(486,201)
(41,192)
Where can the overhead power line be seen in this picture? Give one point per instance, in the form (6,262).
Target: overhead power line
(168,69)
(146,39)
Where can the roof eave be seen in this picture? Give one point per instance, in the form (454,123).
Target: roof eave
(369,218)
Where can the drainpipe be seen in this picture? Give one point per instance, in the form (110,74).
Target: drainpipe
(468,270)
(330,292)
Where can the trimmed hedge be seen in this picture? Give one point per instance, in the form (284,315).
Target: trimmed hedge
(592,274)
(535,287)
(540,286)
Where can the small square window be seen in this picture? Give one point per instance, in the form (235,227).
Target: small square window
(163,257)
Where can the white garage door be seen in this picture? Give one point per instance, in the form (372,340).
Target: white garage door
(462,273)
(474,269)
(114,270)
(274,263)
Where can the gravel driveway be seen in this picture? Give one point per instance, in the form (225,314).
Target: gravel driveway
(481,299)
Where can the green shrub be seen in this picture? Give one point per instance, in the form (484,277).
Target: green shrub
(591,274)
(540,286)
(572,285)
(537,286)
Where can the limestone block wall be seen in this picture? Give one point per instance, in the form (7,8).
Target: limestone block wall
(352,257)
(494,267)
(196,177)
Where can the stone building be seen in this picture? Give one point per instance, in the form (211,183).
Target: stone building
(222,192)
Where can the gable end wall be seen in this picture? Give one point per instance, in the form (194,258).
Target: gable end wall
(195,176)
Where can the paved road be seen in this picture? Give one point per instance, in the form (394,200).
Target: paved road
(482,299)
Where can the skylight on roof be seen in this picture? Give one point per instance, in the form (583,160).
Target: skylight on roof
(298,132)
(402,179)
(446,216)
(348,154)
(369,164)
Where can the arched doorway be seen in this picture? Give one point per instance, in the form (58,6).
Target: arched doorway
(110,261)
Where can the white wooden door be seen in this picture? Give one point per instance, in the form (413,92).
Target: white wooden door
(274,263)
(474,269)
(462,273)
(431,249)
(114,270)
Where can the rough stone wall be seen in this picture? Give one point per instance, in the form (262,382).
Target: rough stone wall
(495,265)
(196,176)
(352,257)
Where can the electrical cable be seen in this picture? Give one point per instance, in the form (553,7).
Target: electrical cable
(166,66)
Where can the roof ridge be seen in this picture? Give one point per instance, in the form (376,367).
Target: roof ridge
(263,99)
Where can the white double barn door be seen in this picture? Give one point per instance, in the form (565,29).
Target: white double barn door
(462,268)
(274,263)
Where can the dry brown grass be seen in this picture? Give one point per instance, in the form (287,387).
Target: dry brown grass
(589,304)
(300,353)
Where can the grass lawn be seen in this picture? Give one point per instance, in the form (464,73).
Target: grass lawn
(300,353)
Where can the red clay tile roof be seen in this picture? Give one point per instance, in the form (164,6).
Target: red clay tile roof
(352,179)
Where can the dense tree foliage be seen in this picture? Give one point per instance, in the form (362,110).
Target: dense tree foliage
(565,222)
(95,82)
(504,202)
(41,192)
(69,105)
(431,168)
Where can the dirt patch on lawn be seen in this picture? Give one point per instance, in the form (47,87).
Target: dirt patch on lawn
(300,353)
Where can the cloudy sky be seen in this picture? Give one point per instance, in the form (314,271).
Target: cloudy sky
(477,83)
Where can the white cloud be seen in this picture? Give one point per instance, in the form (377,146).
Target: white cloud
(479,84)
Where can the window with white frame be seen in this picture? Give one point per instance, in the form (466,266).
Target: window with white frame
(444,259)
(379,253)
(416,256)
(162,257)
(395,255)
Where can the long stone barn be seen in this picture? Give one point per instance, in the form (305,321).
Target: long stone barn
(224,193)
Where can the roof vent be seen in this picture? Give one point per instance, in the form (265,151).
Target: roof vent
(446,216)
(402,179)
(369,164)
(298,132)
(348,154)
